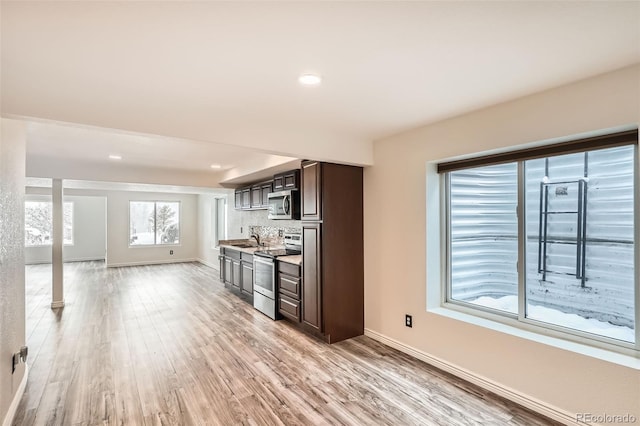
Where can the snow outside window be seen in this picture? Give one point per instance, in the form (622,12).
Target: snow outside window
(577,238)
(154,223)
(38,224)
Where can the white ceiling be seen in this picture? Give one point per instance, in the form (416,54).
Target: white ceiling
(215,78)
(91,144)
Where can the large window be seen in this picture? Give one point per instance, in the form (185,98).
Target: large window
(154,223)
(565,260)
(38,224)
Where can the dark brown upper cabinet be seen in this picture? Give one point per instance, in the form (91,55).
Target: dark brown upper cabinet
(238,199)
(246,198)
(265,189)
(311,190)
(254,197)
(286,180)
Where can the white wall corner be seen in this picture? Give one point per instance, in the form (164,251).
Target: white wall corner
(209,264)
(13,408)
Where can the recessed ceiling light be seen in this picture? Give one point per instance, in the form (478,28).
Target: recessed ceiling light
(115,157)
(216,166)
(310,79)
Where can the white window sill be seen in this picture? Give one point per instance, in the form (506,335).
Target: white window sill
(629,361)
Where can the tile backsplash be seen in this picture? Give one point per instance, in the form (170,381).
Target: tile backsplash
(241,222)
(272,235)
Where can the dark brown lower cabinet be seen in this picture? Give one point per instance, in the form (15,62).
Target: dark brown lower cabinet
(236,278)
(311,273)
(289,307)
(237,272)
(332,250)
(228,270)
(288,281)
(247,278)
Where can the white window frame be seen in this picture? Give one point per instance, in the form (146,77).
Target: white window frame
(439,299)
(155,244)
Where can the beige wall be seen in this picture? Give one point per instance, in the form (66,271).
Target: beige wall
(118,251)
(396,239)
(12,308)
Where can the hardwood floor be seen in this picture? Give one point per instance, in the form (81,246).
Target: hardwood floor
(168,345)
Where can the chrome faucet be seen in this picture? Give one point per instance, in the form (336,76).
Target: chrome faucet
(256,237)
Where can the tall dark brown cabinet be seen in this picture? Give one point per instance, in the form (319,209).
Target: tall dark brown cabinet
(332,250)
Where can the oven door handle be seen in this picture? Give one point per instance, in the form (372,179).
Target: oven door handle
(257,259)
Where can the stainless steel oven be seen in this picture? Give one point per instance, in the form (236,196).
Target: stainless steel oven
(265,275)
(265,292)
(284,204)
(264,280)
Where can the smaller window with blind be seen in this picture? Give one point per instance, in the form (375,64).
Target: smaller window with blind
(546,237)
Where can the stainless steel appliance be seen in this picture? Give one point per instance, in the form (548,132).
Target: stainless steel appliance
(284,204)
(264,274)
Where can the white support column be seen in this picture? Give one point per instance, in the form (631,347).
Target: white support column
(57,244)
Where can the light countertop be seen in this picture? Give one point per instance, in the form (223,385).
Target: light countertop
(249,250)
(296,259)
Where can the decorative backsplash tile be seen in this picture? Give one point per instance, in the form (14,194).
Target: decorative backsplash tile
(272,235)
(242,223)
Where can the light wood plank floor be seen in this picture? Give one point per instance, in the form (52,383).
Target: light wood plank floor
(169,345)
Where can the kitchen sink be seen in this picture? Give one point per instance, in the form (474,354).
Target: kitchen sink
(242,245)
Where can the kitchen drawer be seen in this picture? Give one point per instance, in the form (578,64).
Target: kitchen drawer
(289,308)
(232,254)
(289,268)
(289,285)
(246,257)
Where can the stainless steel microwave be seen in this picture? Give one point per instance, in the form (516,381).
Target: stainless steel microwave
(284,204)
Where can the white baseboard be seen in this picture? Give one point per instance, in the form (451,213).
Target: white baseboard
(209,264)
(485,383)
(83,259)
(75,259)
(150,262)
(57,304)
(13,408)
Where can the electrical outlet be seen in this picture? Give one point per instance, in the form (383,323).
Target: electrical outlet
(280,233)
(171,252)
(408,320)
